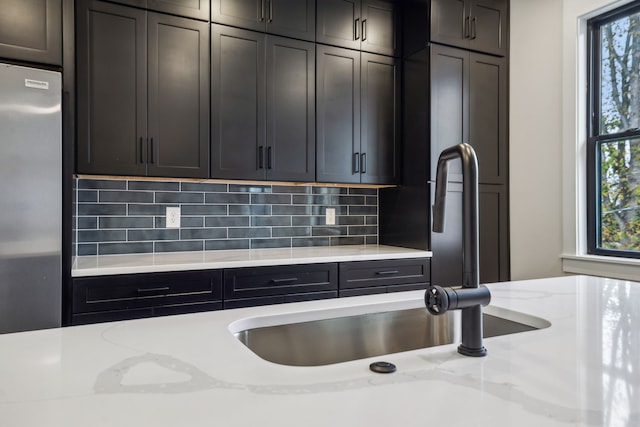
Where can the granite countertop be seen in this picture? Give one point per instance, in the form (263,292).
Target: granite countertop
(189,370)
(181,261)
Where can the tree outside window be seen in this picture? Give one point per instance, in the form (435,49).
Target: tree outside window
(614,130)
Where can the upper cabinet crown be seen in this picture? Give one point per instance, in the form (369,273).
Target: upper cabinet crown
(31,30)
(290,18)
(143,92)
(479,25)
(368,25)
(198,9)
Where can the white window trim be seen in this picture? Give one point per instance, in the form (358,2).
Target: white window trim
(575,259)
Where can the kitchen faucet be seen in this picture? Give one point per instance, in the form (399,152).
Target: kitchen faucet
(471,296)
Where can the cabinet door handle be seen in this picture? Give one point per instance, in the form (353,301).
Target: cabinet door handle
(474,27)
(465,29)
(269,157)
(363,163)
(356,163)
(152,155)
(364,29)
(287,280)
(141,150)
(260,157)
(261,17)
(270,10)
(356,34)
(154,291)
(387,272)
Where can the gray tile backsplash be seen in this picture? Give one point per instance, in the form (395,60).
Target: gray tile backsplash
(120,216)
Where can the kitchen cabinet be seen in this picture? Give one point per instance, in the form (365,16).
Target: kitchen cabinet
(31,30)
(465,95)
(263,106)
(368,25)
(479,25)
(142,84)
(289,18)
(198,9)
(371,277)
(245,287)
(130,296)
(358,134)
(469,104)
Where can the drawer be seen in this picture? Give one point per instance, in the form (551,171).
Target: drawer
(133,291)
(364,274)
(255,282)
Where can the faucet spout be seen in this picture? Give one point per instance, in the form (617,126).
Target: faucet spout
(470,296)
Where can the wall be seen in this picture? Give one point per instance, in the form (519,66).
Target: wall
(118,216)
(535,138)
(547,140)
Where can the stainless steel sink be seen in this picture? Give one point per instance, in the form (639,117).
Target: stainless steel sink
(341,339)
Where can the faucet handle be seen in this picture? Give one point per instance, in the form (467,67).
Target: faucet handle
(437,300)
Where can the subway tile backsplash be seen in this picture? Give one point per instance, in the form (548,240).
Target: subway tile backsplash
(121,216)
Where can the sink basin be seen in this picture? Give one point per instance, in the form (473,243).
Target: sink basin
(340,339)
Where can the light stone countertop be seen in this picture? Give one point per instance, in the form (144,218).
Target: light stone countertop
(182,261)
(189,370)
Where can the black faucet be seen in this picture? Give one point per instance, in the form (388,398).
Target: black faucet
(471,296)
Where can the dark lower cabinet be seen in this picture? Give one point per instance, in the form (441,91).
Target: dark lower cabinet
(131,296)
(31,30)
(263,106)
(143,85)
(289,18)
(372,277)
(357,117)
(134,296)
(244,287)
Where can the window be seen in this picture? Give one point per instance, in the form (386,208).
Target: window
(613,148)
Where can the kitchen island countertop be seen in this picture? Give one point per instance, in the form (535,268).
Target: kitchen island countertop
(189,370)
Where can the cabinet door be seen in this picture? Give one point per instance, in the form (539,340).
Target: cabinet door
(488,116)
(250,14)
(31,30)
(379,27)
(449,104)
(338,115)
(338,23)
(494,233)
(237,103)
(380,124)
(292,18)
(198,9)
(450,22)
(290,98)
(178,97)
(488,26)
(112,89)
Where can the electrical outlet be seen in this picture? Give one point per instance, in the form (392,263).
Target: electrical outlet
(330,216)
(173,217)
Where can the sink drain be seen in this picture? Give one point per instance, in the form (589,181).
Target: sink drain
(382,367)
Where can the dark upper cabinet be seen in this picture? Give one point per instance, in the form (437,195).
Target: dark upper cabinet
(31,30)
(469,104)
(369,25)
(198,9)
(357,119)
(143,87)
(290,18)
(263,106)
(479,25)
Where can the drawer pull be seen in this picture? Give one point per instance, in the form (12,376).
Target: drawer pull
(153,290)
(288,280)
(384,273)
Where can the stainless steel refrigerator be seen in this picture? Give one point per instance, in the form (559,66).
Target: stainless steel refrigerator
(30,198)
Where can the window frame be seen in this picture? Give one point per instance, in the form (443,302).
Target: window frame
(594,138)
